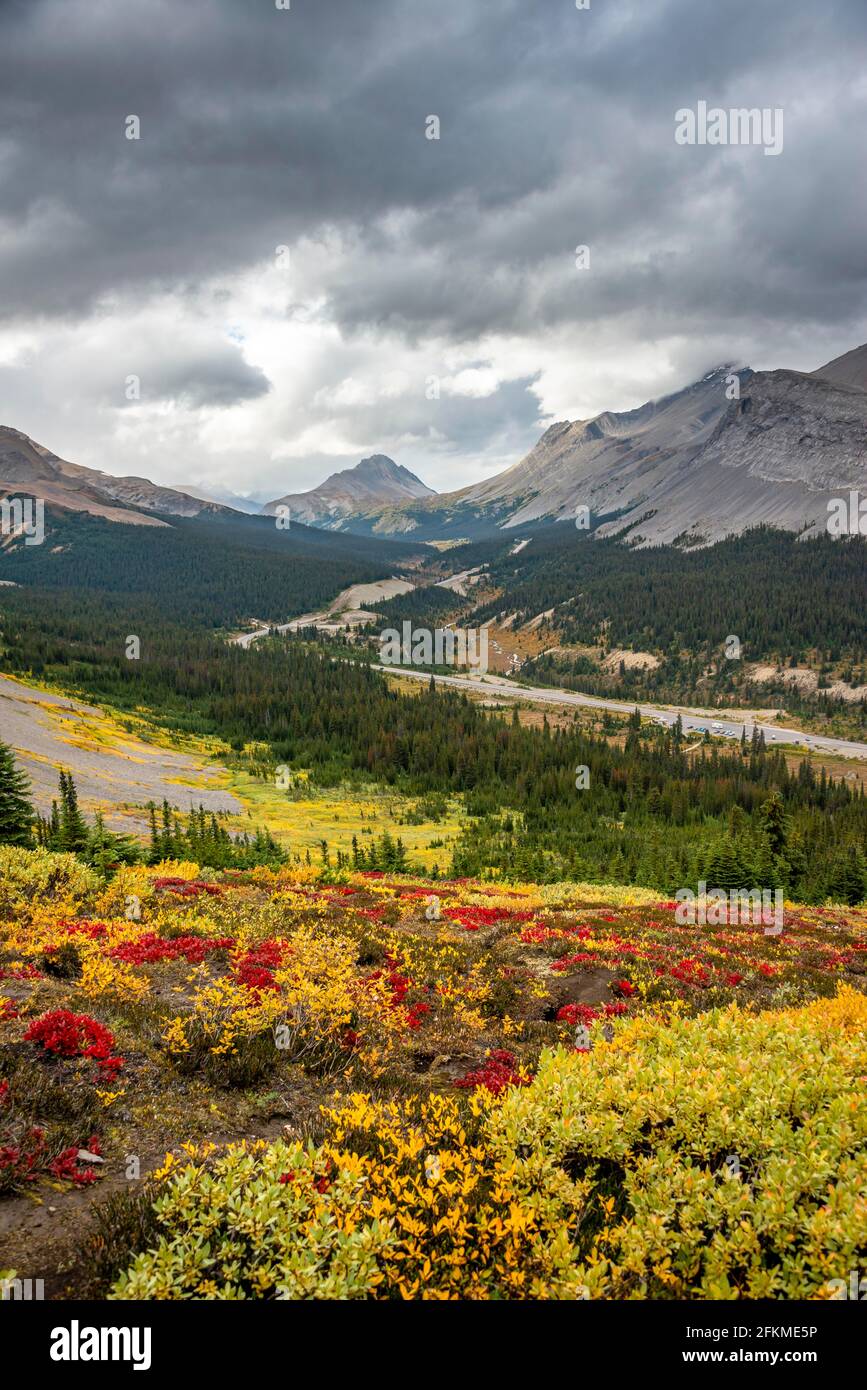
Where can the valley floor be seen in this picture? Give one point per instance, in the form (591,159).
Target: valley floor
(722,723)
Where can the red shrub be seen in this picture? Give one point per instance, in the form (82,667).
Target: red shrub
(150,948)
(471,918)
(577,1013)
(566,962)
(498,1071)
(624,987)
(254,968)
(22,1162)
(186,887)
(75,1035)
(21,972)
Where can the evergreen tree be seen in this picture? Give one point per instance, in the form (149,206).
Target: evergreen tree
(72,833)
(16,812)
(772,818)
(106,850)
(847,883)
(726,867)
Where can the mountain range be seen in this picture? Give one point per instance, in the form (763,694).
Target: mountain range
(733,450)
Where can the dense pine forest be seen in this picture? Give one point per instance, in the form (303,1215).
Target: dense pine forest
(651,812)
(768,588)
(215,572)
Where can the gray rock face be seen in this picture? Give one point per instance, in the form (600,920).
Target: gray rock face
(695,465)
(610,462)
(776,456)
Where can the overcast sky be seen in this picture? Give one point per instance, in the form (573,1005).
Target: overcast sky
(406,258)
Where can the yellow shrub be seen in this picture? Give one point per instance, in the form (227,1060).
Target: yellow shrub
(34,875)
(133,883)
(405,1201)
(323,997)
(228,1033)
(727,1154)
(102,976)
(176,868)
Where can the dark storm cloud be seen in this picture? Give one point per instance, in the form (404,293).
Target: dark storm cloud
(261,127)
(196,379)
(306,128)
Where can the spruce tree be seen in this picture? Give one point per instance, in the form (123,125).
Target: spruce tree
(846,883)
(773,820)
(72,836)
(16,812)
(726,868)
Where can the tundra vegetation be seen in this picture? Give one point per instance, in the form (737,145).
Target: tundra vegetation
(290,1081)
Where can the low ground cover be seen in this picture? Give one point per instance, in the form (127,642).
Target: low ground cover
(421,1090)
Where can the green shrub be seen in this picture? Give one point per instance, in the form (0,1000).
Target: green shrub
(240,1232)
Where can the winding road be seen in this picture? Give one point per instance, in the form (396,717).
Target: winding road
(694,721)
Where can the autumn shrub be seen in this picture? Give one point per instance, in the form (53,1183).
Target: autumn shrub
(131,890)
(405,1200)
(721,1157)
(228,1034)
(64,1034)
(63,962)
(43,1123)
(36,874)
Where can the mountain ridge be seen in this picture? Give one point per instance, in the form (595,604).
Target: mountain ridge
(733,450)
(850,369)
(26,465)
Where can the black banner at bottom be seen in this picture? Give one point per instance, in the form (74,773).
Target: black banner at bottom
(65,1341)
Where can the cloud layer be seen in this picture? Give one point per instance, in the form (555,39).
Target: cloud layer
(297,276)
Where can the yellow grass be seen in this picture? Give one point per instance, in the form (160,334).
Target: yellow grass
(338,813)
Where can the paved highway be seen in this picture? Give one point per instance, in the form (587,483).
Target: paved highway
(693,721)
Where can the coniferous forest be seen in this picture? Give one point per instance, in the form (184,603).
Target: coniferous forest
(651,813)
